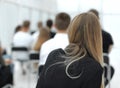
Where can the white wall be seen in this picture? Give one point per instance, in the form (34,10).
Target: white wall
(108,9)
(8,20)
(14,12)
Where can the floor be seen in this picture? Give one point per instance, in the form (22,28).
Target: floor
(30,79)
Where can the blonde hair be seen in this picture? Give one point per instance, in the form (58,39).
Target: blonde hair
(85,33)
(43,36)
(85,37)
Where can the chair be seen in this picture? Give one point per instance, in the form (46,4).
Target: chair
(20,54)
(108,70)
(33,64)
(34,59)
(6,77)
(107,74)
(34,55)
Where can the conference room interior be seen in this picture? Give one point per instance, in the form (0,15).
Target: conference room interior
(15,12)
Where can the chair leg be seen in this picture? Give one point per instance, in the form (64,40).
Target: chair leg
(109,76)
(22,67)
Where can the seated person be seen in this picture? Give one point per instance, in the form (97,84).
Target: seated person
(79,65)
(107,47)
(6,76)
(43,36)
(49,24)
(36,34)
(60,40)
(22,38)
(7,59)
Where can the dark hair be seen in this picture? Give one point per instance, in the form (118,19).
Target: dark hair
(49,23)
(26,24)
(62,21)
(18,28)
(95,12)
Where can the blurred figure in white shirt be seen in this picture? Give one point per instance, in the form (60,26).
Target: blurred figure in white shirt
(60,40)
(22,38)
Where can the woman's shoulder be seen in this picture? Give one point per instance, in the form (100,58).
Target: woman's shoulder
(92,62)
(92,67)
(57,51)
(55,56)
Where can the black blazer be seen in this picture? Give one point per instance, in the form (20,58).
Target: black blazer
(54,76)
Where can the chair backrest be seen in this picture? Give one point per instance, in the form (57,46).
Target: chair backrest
(8,86)
(19,49)
(20,53)
(34,56)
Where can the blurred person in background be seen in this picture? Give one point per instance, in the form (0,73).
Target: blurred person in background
(49,24)
(107,47)
(79,65)
(36,34)
(43,36)
(6,76)
(22,38)
(60,40)
(7,58)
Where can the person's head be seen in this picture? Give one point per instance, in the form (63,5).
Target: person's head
(44,32)
(18,28)
(62,21)
(26,25)
(95,12)
(40,24)
(49,23)
(43,36)
(85,32)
